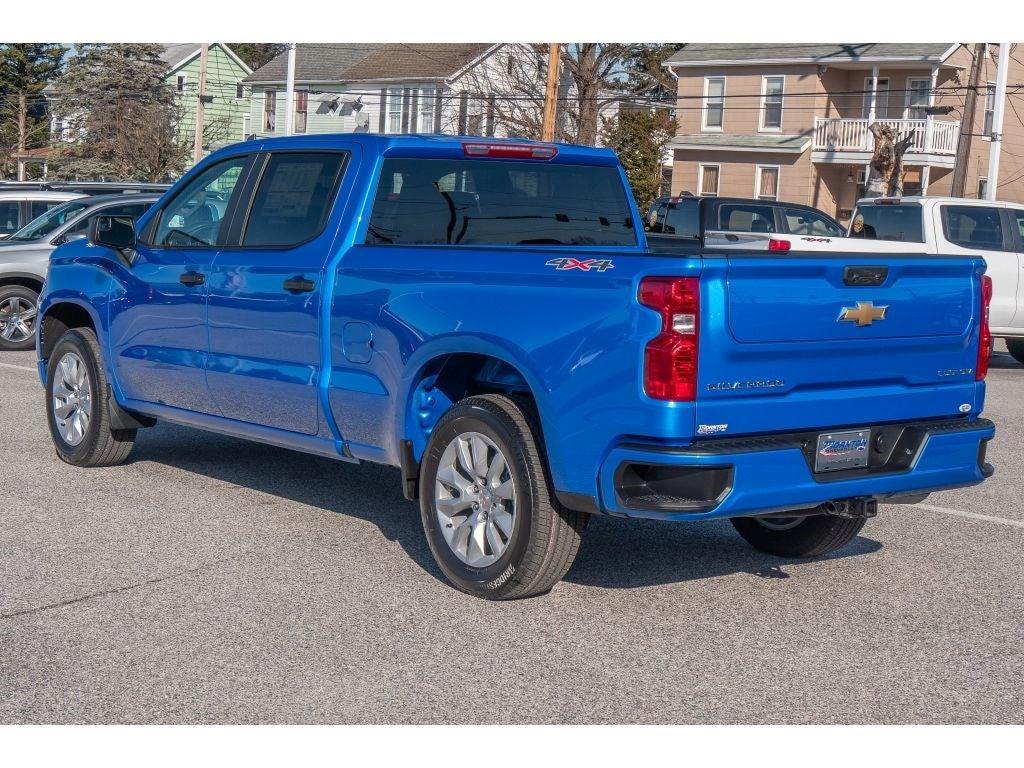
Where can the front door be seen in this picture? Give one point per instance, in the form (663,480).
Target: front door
(266,294)
(158,324)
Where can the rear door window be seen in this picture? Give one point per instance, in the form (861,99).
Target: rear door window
(499,202)
(973,226)
(801,222)
(739,217)
(902,223)
(293,199)
(9,216)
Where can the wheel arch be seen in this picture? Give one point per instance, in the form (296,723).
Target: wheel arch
(24,279)
(447,372)
(60,316)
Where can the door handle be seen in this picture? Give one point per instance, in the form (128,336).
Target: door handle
(192,278)
(298,284)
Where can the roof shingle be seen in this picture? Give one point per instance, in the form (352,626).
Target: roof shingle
(694,54)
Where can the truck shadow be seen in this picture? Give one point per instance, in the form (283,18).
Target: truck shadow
(615,553)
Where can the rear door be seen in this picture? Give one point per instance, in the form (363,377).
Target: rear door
(983,230)
(266,292)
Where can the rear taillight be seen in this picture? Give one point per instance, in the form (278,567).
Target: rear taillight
(670,359)
(985,337)
(779,245)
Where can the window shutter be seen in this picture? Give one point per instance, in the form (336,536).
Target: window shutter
(489,130)
(437,110)
(463,111)
(381,124)
(405,110)
(414,117)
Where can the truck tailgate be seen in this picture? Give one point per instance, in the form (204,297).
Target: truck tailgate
(824,340)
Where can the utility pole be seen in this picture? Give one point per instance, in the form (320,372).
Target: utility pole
(997,122)
(289,93)
(963,146)
(547,132)
(197,149)
(22,134)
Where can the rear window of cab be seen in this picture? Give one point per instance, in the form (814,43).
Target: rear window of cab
(901,223)
(499,202)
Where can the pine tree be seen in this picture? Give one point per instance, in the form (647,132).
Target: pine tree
(257,54)
(120,114)
(25,70)
(639,137)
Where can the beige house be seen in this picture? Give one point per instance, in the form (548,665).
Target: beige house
(790,121)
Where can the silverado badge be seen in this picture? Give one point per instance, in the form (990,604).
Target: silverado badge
(865,313)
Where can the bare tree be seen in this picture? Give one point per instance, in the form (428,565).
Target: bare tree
(885,176)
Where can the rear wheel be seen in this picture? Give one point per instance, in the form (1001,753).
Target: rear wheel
(491,520)
(1016,349)
(808,536)
(17,318)
(76,404)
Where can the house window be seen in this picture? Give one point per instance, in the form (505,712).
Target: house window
(425,118)
(982,187)
(881,98)
(270,111)
(990,108)
(182,79)
(771,102)
(239,90)
(393,119)
(475,116)
(707,181)
(301,110)
(766,182)
(918,90)
(714,103)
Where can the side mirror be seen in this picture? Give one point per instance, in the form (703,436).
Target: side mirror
(117,232)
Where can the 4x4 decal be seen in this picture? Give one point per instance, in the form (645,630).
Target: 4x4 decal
(584,265)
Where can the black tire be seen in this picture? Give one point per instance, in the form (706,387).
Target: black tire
(813,536)
(8,292)
(1016,349)
(101,446)
(545,536)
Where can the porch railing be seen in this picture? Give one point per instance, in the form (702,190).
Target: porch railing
(840,134)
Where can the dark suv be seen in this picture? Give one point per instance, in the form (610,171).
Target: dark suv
(676,220)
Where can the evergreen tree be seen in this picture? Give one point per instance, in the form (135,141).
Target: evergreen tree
(120,113)
(25,69)
(257,54)
(639,137)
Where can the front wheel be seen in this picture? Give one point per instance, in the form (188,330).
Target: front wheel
(76,404)
(17,318)
(810,536)
(491,520)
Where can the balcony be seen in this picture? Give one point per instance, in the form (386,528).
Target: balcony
(836,138)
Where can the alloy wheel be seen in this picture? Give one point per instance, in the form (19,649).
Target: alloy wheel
(475,499)
(72,399)
(16,319)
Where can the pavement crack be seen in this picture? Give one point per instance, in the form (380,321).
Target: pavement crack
(117,590)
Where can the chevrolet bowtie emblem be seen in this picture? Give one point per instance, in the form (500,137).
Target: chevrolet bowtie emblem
(865,313)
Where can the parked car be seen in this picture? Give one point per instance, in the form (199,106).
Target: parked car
(731,222)
(486,316)
(25,256)
(87,187)
(19,206)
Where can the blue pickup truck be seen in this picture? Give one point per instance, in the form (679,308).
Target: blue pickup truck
(486,316)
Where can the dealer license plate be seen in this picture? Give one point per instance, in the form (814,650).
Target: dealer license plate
(842,450)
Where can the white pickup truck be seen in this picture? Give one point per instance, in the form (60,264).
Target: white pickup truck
(946,225)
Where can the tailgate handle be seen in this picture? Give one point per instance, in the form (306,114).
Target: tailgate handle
(866,276)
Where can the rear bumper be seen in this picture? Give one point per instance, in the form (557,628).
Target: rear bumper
(731,478)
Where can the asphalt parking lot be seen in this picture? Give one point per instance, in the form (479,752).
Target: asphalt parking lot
(213,580)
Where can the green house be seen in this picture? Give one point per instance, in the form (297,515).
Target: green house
(227,99)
